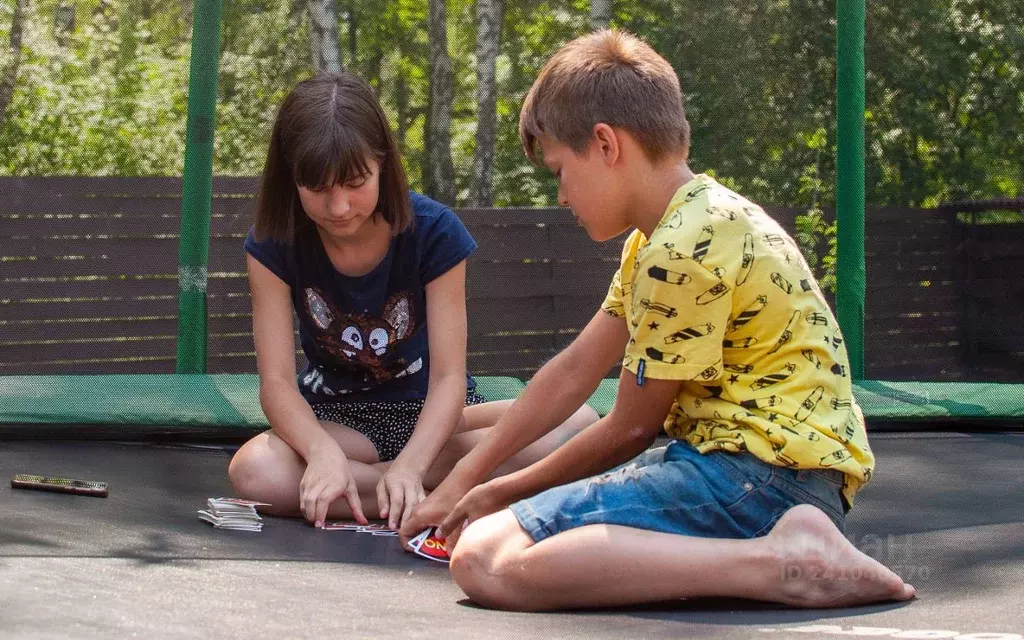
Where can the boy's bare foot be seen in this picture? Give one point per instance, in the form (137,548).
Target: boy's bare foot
(819,567)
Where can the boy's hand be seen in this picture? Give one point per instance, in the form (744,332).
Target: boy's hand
(326,479)
(398,491)
(481,501)
(431,511)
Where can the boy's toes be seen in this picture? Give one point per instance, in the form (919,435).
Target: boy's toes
(906,592)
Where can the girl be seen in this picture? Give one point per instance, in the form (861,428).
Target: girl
(384,408)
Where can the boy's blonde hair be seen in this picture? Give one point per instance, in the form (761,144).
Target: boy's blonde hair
(611,77)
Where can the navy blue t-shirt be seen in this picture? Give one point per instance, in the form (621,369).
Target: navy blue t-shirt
(365,337)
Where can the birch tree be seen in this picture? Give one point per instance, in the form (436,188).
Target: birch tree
(600,14)
(10,74)
(323,35)
(439,173)
(489,14)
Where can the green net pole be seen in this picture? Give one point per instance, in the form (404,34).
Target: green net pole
(850,276)
(194,248)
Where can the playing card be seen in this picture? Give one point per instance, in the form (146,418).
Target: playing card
(342,525)
(370,528)
(238,502)
(415,543)
(387,534)
(230,523)
(233,513)
(431,547)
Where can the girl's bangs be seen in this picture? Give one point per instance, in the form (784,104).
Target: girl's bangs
(335,158)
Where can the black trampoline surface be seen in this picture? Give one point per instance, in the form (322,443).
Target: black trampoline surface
(945,510)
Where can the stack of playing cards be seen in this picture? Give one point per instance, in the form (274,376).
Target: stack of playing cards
(233,513)
(428,545)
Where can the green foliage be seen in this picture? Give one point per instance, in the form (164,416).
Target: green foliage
(991,217)
(107,98)
(816,237)
(815,234)
(106,95)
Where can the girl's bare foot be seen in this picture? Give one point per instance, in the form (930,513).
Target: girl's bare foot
(819,567)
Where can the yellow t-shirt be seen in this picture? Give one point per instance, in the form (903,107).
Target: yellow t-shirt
(721,298)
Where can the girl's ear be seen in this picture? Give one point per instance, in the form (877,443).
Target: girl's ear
(606,142)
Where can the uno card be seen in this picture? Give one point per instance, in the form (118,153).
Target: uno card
(387,534)
(415,543)
(370,528)
(430,546)
(240,502)
(342,525)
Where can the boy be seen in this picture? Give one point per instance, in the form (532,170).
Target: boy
(725,341)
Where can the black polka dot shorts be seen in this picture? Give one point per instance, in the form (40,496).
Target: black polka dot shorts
(387,425)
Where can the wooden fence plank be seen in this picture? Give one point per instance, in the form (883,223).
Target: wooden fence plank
(589,280)
(93,262)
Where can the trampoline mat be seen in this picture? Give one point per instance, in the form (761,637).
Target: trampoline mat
(944,510)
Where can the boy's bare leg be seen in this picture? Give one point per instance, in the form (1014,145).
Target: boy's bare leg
(805,561)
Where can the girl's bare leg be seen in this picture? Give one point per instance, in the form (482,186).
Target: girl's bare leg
(267,469)
(477,421)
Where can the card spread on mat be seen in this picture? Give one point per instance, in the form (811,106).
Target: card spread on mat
(352,525)
(342,525)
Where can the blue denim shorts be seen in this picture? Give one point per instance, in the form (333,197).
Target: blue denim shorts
(679,490)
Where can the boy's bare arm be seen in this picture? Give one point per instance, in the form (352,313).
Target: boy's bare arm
(634,423)
(561,387)
(555,393)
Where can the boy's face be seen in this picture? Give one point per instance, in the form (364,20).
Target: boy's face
(588,186)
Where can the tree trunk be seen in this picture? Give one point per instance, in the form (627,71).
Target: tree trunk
(402,109)
(63,22)
(372,66)
(488,40)
(600,14)
(323,35)
(438,172)
(353,31)
(11,72)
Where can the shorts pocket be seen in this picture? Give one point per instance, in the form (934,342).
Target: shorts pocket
(735,477)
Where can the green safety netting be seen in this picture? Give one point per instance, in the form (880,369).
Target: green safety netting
(189,402)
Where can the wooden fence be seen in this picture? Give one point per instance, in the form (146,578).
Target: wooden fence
(88,284)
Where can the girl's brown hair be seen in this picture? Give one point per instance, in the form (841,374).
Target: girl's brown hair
(326,131)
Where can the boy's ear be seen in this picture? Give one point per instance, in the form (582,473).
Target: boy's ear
(606,142)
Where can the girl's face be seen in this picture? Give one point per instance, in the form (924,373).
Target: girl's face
(341,210)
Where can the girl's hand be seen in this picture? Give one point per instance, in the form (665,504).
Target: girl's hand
(398,491)
(327,478)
